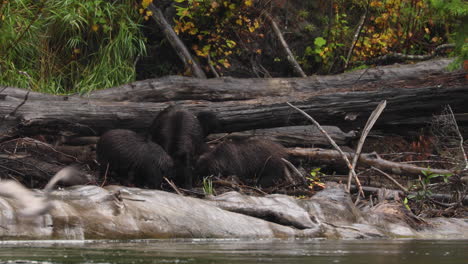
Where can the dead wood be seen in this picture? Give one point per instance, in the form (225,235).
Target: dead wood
(175,41)
(395,56)
(434,196)
(335,146)
(408,108)
(367,128)
(289,55)
(169,88)
(367,159)
(292,136)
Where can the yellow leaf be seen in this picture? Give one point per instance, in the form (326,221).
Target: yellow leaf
(248,2)
(149,13)
(95,28)
(145,3)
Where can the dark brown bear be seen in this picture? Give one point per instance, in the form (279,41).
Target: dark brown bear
(182,134)
(133,159)
(252,160)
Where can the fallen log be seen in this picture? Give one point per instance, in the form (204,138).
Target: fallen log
(292,136)
(366,158)
(176,88)
(408,108)
(227,88)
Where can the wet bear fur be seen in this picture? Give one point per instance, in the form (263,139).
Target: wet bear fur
(255,161)
(182,134)
(133,159)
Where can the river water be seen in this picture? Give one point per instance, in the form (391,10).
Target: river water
(236,251)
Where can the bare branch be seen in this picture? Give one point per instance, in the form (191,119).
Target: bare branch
(289,55)
(12,113)
(460,136)
(366,158)
(293,168)
(391,179)
(332,142)
(367,128)
(175,41)
(173,186)
(356,36)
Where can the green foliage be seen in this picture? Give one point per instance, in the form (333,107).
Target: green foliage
(216,27)
(457,8)
(455,11)
(403,26)
(208,186)
(422,190)
(69,46)
(314,179)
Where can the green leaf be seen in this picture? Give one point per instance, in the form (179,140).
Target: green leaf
(308,51)
(319,42)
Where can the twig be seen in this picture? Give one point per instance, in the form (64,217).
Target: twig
(356,36)
(12,113)
(293,168)
(218,139)
(402,56)
(173,186)
(367,128)
(213,70)
(105,175)
(289,55)
(443,204)
(333,143)
(391,179)
(460,136)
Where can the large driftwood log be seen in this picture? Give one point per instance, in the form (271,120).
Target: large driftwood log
(175,88)
(227,89)
(407,109)
(91,212)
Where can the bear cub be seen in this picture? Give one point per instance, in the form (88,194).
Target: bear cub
(181,134)
(252,160)
(131,158)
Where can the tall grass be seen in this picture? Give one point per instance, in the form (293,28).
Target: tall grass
(69,46)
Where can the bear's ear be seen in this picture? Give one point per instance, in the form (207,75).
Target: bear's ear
(209,122)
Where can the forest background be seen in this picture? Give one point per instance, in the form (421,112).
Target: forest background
(72,46)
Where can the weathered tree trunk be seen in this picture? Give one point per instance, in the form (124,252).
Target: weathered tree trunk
(407,109)
(305,136)
(176,88)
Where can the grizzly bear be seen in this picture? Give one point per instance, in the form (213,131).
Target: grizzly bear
(133,159)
